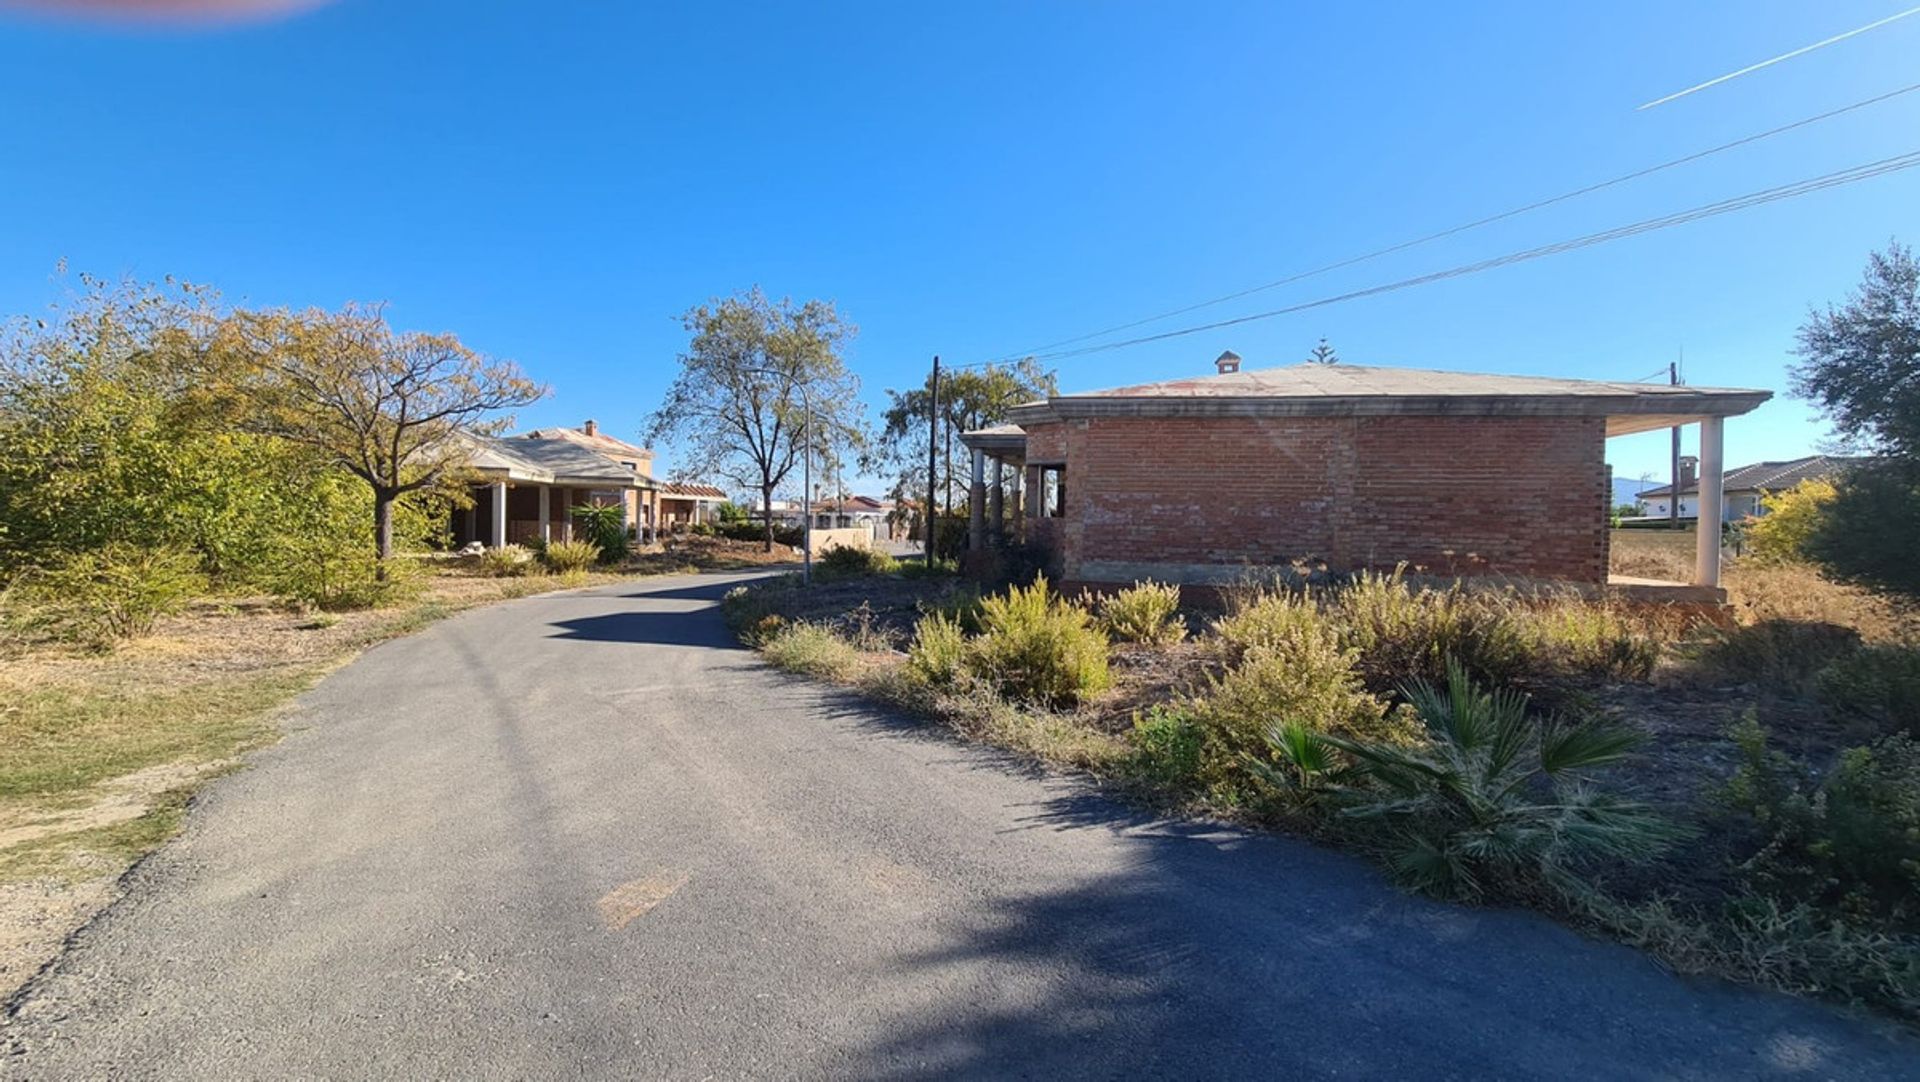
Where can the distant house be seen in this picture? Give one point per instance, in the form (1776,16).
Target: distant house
(1194,480)
(853,511)
(687,503)
(529,484)
(1742,489)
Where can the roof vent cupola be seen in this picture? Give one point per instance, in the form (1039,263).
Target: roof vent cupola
(1227,362)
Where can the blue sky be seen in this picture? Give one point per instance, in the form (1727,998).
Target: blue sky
(973,180)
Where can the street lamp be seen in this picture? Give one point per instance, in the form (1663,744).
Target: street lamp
(806,473)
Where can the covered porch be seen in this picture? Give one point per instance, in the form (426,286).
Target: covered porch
(526,490)
(1703,587)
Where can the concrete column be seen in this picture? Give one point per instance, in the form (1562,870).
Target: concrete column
(996,506)
(473,518)
(977,503)
(546,515)
(499,514)
(1706,571)
(566,514)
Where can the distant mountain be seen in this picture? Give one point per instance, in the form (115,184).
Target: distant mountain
(1625,488)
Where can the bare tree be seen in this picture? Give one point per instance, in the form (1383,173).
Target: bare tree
(388,407)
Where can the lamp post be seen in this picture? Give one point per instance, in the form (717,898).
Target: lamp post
(806,473)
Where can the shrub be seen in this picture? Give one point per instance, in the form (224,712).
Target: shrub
(1784,656)
(812,649)
(1146,612)
(100,596)
(915,567)
(1266,618)
(753,531)
(1038,647)
(845,561)
(564,557)
(1494,800)
(1865,535)
(1780,535)
(1403,632)
(1575,636)
(1849,842)
(1167,747)
(938,655)
(605,528)
(507,561)
(1303,677)
(1879,683)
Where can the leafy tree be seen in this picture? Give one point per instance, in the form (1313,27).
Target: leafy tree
(738,402)
(1861,360)
(110,414)
(1861,366)
(391,408)
(970,398)
(1323,354)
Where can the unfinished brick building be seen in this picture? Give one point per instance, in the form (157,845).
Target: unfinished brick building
(1193,480)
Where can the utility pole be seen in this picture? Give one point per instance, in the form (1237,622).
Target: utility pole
(1673,488)
(933,453)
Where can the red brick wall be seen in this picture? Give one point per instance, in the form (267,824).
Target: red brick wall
(1513,496)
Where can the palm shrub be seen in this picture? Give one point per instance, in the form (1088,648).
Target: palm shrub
(1146,612)
(1496,801)
(570,557)
(605,528)
(1041,648)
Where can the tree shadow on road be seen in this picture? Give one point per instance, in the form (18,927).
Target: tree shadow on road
(700,629)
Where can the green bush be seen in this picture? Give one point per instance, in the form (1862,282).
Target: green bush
(846,561)
(1298,675)
(812,649)
(753,531)
(1265,618)
(508,561)
(1880,683)
(1167,747)
(939,652)
(1147,612)
(115,592)
(605,528)
(1495,802)
(1848,841)
(1037,647)
(915,567)
(1404,632)
(570,557)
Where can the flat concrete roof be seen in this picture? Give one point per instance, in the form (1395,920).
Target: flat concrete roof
(1350,390)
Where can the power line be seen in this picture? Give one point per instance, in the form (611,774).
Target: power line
(1477,223)
(1768,195)
(1783,56)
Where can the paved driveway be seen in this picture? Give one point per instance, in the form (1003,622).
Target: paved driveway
(584,835)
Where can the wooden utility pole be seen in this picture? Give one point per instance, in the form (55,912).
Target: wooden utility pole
(1673,488)
(933,453)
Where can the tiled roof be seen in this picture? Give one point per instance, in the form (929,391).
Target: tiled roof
(604,444)
(1770,476)
(692,490)
(549,461)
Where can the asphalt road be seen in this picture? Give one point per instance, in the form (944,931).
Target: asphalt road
(583,835)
